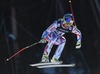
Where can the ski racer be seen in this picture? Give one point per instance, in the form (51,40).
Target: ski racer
(54,36)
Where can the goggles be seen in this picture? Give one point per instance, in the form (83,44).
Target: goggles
(69,23)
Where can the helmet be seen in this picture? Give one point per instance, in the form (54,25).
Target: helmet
(68,18)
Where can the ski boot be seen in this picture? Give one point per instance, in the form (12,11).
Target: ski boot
(45,58)
(56,61)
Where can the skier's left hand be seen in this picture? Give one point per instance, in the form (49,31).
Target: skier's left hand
(78,45)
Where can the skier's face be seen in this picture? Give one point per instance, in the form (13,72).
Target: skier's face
(68,24)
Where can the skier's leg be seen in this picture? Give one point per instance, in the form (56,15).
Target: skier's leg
(45,57)
(51,40)
(48,48)
(61,41)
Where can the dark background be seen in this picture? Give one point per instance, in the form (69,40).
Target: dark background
(22,23)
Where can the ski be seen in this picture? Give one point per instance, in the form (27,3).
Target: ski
(56,65)
(41,64)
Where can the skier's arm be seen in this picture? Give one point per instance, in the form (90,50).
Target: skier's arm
(79,36)
(50,29)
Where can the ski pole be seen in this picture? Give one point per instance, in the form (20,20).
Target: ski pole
(22,50)
(72,12)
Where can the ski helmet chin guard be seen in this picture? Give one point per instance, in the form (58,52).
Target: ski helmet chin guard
(68,18)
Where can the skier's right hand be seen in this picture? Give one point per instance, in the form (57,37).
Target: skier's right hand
(43,40)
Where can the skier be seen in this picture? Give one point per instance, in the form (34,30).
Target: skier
(54,36)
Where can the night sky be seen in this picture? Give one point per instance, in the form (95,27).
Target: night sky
(32,17)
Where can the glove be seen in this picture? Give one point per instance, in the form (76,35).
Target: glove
(78,45)
(42,41)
